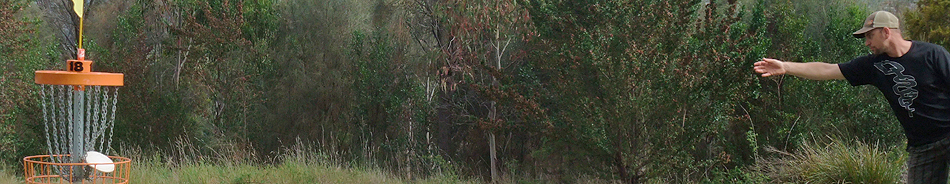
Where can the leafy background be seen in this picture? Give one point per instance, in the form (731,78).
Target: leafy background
(561,91)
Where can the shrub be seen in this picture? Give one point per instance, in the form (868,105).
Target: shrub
(835,162)
(930,22)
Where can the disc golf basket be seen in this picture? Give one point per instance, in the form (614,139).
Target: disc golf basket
(78,114)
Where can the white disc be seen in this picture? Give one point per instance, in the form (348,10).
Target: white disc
(101,162)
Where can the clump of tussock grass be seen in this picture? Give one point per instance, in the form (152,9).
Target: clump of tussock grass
(834,162)
(8,177)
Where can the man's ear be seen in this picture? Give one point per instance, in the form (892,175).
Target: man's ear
(887,32)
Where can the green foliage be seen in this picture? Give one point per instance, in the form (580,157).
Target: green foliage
(842,21)
(606,91)
(836,162)
(215,69)
(804,107)
(310,88)
(22,51)
(648,87)
(737,176)
(148,113)
(930,22)
(391,116)
(13,28)
(383,95)
(487,89)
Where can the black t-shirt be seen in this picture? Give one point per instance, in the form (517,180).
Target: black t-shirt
(917,86)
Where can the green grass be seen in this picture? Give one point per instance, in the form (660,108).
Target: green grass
(150,171)
(835,162)
(154,172)
(291,171)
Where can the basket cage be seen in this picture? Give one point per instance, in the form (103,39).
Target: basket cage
(41,169)
(77,119)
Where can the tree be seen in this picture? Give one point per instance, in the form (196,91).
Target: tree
(228,43)
(15,84)
(930,22)
(199,71)
(60,16)
(648,88)
(12,27)
(483,61)
(310,90)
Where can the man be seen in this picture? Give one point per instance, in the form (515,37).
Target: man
(914,77)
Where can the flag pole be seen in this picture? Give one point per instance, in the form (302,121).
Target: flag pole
(78,8)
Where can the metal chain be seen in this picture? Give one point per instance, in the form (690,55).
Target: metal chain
(105,124)
(115,99)
(46,119)
(63,119)
(61,115)
(93,125)
(64,124)
(59,128)
(86,120)
(102,98)
(55,113)
(96,116)
(60,105)
(72,120)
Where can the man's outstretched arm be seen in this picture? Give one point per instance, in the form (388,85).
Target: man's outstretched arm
(814,70)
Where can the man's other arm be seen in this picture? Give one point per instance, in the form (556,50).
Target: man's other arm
(813,70)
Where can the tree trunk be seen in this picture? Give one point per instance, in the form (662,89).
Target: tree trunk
(491,146)
(621,168)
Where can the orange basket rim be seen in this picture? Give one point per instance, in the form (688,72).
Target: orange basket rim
(30,159)
(57,77)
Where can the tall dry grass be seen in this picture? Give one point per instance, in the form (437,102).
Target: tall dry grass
(297,164)
(8,177)
(835,162)
(152,171)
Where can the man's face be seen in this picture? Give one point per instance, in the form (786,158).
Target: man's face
(874,39)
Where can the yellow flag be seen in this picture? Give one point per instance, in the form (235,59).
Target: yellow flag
(77,6)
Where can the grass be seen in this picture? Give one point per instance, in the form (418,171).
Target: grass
(299,164)
(297,171)
(155,172)
(294,166)
(151,171)
(9,177)
(835,162)
(294,171)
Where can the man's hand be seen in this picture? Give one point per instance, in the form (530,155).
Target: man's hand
(769,67)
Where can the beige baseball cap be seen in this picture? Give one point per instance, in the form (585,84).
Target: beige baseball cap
(876,20)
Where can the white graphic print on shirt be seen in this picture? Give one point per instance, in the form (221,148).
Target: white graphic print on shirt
(903,84)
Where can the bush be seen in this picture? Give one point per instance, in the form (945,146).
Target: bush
(835,162)
(22,50)
(930,22)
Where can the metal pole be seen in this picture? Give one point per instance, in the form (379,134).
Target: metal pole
(78,135)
